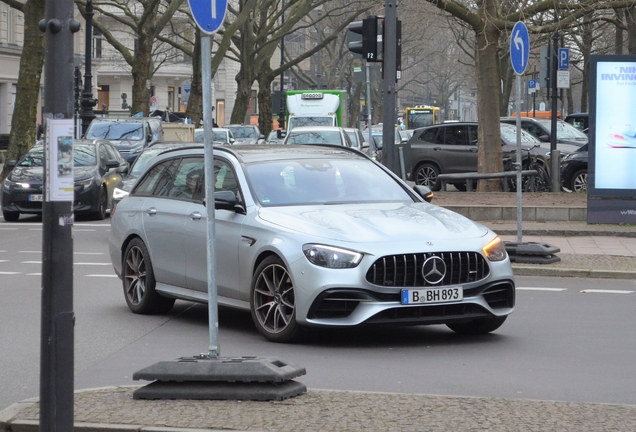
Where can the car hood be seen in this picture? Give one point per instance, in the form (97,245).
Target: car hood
(387,222)
(36,174)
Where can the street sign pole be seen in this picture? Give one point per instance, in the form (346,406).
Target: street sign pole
(519,55)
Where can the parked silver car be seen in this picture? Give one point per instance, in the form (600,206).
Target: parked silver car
(306,236)
(332,135)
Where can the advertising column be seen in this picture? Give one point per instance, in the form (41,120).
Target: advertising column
(612,145)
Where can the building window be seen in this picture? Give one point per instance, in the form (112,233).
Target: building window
(97,43)
(12,31)
(170,98)
(220,112)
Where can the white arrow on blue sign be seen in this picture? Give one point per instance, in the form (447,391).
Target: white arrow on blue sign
(519,48)
(208,14)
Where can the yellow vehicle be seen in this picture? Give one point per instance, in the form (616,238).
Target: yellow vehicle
(422,115)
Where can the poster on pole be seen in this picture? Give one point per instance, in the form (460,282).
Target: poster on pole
(60,184)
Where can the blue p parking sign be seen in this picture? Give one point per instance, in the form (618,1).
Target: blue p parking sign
(208,14)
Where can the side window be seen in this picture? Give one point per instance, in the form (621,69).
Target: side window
(103,155)
(147,184)
(456,135)
(428,135)
(181,181)
(113,154)
(225,178)
(473,136)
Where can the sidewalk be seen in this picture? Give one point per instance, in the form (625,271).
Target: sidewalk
(603,251)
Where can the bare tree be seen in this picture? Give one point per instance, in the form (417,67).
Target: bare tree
(24,123)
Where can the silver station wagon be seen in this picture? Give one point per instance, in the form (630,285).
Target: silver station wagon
(306,236)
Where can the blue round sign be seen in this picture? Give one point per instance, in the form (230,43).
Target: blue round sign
(208,14)
(519,47)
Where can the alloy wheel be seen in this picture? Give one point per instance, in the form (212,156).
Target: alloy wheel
(274,300)
(135,275)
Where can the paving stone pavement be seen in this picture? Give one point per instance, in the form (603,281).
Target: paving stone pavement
(604,251)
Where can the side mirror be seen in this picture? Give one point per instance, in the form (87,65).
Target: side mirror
(149,138)
(424,192)
(232,140)
(544,138)
(261,137)
(112,163)
(123,169)
(224,200)
(280,134)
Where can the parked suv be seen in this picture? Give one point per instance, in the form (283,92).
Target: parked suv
(452,148)
(130,136)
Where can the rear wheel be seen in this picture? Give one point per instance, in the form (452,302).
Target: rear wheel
(428,175)
(139,282)
(477,326)
(579,181)
(273,304)
(11,216)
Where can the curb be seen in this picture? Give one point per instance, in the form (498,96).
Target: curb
(540,270)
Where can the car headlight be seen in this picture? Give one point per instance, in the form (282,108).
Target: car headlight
(495,250)
(331,257)
(119,194)
(84,183)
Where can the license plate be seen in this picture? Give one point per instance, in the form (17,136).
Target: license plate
(35,197)
(432,295)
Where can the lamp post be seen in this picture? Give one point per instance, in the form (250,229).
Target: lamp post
(281,110)
(88,102)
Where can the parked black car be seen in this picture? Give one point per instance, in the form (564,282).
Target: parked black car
(541,129)
(452,148)
(574,170)
(96,166)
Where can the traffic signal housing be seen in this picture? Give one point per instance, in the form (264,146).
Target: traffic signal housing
(368,46)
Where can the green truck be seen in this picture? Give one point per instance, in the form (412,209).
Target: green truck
(316,108)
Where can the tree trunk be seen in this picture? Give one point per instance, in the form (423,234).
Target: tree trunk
(194,110)
(265,115)
(619,33)
(586,52)
(509,79)
(488,91)
(244,79)
(24,121)
(630,18)
(141,75)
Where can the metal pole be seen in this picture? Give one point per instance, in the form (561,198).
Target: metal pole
(518,164)
(281,110)
(88,102)
(369,119)
(57,318)
(554,155)
(208,134)
(389,157)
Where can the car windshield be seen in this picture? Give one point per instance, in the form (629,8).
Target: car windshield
(143,159)
(322,137)
(565,130)
(83,155)
(509,135)
(310,121)
(115,131)
(323,181)
(219,136)
(243,132)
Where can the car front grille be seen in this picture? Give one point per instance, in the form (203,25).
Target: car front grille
(406,270)
(21,200)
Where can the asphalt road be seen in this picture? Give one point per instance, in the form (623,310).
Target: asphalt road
(565,341)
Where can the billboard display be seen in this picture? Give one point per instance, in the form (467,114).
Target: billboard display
(612,135)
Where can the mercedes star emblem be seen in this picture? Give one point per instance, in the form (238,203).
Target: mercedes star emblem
(434,270)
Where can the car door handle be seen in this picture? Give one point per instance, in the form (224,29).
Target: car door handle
(151,211)
(195,215)
(473,149)
(437,148)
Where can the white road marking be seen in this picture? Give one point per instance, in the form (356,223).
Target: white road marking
(35,229)
(29,251)
(34,274)
(31,262)
(4,260)
(88,263)
(102,275)
(88,253)
(541,289)
(9,273)
(605,291)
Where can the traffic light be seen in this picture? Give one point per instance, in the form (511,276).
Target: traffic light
(368,46)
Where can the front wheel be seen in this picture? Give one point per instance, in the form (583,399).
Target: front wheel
(428,175)
(11,216)
(477,326)
(273,304)
(579,181)
(102,204)
(139,282)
